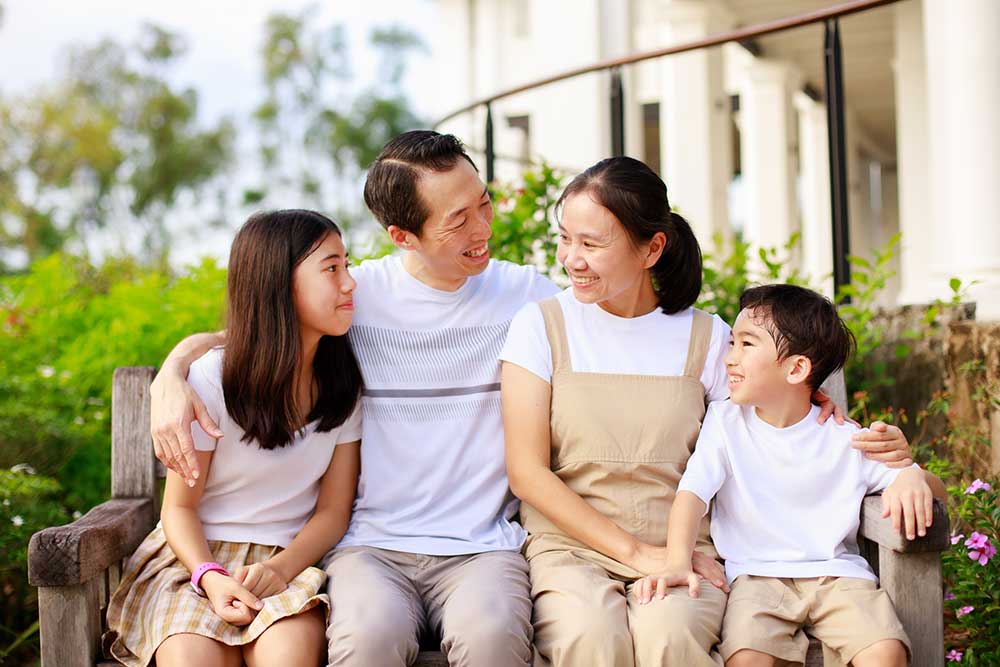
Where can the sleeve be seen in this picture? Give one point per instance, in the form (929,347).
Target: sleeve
(708,468)
(205,377)
(714,377)
(527,345)
(542,287)
(350,430)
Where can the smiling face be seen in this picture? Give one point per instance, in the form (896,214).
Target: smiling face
(452,244)
(756,374)
(604,265)
(322,290)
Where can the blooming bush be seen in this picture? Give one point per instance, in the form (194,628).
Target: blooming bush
(972,574)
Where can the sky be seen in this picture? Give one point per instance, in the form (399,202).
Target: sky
(221,62)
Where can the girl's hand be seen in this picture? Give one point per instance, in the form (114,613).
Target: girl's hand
(910,503)
(231,601)
(710,569)
(657,584)
(884,443)
(261,579)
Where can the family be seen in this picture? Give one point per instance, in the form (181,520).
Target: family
(438,444)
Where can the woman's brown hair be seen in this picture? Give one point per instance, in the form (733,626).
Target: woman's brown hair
(262,337)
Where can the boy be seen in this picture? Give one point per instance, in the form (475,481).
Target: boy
(788,493)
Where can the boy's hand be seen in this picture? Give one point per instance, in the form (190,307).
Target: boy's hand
(656,585)
(261,579)
(910,503)
(231,601)
(884,443)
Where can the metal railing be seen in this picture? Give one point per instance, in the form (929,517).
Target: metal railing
(834,75)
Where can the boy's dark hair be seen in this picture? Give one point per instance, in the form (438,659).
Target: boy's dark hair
(802,322)
(391,186)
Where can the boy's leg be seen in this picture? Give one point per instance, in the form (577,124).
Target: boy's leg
(764,615)
(295,640)
(376,615)
(850,615)
(580,614)
(750,658)
(886,653)
(481,607)
(679,629)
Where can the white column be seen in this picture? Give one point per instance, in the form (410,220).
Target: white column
(912,160)
(767,124)
(814,191)
(963,94)
(696,151)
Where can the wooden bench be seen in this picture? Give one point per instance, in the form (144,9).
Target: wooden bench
(77,566)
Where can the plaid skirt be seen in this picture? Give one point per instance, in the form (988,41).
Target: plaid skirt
(155,600)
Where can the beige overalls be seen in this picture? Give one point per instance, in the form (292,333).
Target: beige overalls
(621,442)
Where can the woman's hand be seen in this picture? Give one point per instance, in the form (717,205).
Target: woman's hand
(710,569)
(231,601)
(885,443)
(261,579)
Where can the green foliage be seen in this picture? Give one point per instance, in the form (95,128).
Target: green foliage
(523,222)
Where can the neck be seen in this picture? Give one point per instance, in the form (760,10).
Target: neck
(308,342)
(786,410)
(419,270)
(637,301)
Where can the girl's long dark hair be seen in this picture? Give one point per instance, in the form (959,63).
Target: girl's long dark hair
(638,198)
(262,337)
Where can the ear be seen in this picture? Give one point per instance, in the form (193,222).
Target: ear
(401,238)
(654,249)
(799,368)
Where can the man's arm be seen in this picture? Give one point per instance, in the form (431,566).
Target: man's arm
(174,405)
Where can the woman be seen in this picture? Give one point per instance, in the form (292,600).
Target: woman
(604,388)
(228,576)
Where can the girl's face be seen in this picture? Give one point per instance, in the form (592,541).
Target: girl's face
(603,263)
(323,290)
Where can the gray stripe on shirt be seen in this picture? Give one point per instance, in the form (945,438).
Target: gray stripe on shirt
(432,393)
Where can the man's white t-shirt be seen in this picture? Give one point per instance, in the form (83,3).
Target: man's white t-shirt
(787,501)
(599,342)
(263,496)
(433,478)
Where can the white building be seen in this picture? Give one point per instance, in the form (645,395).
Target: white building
(739,132)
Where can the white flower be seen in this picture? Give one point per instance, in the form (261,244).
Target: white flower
(77,514)
(6,502)
(23,467)
(46,371)
(78,420)
(98,415)
(17,520)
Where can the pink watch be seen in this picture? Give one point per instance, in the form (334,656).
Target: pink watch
(201,571)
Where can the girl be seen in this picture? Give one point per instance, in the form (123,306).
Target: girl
(227,577)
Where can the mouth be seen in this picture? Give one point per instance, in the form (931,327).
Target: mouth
(735,379)
(583,281)
(478,252)
(346,306)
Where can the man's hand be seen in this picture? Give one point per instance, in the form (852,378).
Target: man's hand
(910,503)
(232,602)
(173,406)
(884,443)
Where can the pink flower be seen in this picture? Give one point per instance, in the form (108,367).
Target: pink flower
(955,539)
(964,610)
(978,485)
(977,541)
(949,596)
(954,656)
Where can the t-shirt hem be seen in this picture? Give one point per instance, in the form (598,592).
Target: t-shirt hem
(789,570)
(436,547)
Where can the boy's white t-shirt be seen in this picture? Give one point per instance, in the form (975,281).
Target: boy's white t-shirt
(252,494)
(599,342)
(433,478)
(787,501)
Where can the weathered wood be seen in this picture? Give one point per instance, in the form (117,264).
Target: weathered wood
(431,659)
(79,551)
(133,474)
(836,389)
(879,530)
(73,620)
(913,582)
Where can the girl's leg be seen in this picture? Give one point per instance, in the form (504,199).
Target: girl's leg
(296,640)
(191,650)
(750,658)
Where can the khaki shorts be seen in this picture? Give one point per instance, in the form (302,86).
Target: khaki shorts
(772,615)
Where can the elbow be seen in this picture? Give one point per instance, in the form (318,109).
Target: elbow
(519,480)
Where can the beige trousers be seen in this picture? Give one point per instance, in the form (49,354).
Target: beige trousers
(584,616)
(383,601)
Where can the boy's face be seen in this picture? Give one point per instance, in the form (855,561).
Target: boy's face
(755,373)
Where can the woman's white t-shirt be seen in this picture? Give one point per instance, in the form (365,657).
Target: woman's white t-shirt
(599,342)
(253,494)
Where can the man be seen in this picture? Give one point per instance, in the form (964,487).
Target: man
(432,545)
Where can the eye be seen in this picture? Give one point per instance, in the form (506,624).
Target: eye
(563,237)
(588,244)
(332,268)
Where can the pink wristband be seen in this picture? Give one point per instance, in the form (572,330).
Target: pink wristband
(201,571)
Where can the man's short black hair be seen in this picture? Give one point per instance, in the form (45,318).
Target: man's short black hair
(802,322)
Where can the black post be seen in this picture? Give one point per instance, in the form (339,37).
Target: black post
(617,113)
(490,157)
(838,153)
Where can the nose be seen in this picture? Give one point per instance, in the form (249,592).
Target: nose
(349,283)
(485,219)
(730,359)
(572,259)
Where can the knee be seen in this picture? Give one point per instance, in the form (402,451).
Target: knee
(885,652)
(371,637)
(593,633)
(748,658)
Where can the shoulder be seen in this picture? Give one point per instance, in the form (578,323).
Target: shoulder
(208,367)
(519,277)
(725,412)
(374,269)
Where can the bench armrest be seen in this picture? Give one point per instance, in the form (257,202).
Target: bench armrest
(72,554)
(878,529)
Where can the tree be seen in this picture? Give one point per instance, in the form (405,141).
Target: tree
(111,141)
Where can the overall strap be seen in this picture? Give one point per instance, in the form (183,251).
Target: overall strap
(701,336)
(555,330)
